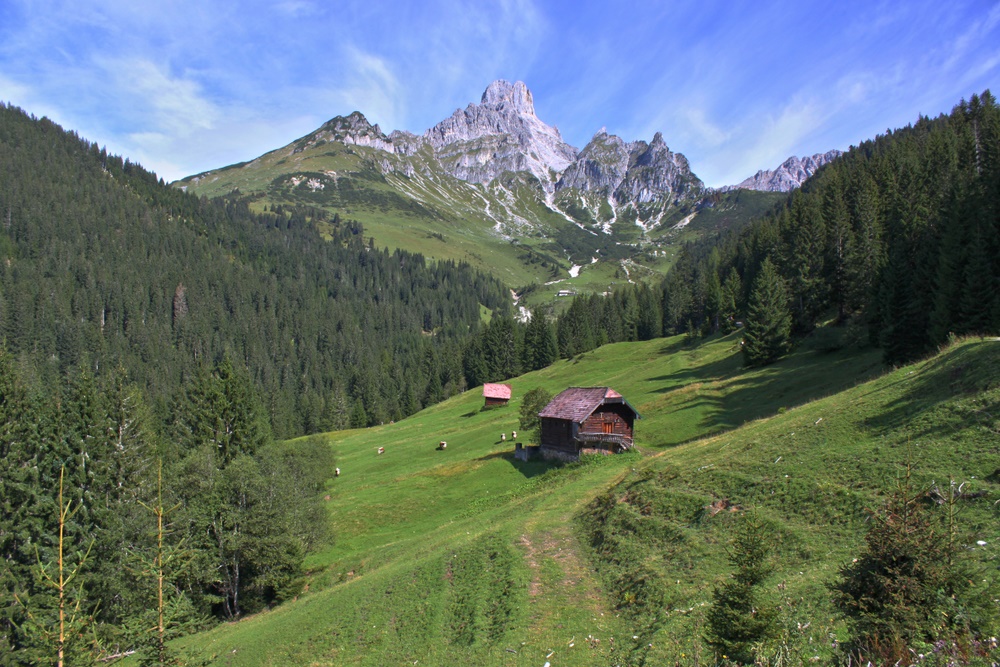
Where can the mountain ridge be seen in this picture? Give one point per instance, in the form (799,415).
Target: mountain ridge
(493,176)
(787,176)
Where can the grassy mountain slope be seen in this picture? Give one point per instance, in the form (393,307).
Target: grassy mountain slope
(467,555)
(428,212)
(508,227)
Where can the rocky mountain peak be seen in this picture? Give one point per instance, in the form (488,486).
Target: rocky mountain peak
(351,129)
(630,171)
(353,123)
(482,141)
(789,175)
(503,94)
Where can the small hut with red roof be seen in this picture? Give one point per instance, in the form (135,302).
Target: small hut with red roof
(586,420)
(496,394)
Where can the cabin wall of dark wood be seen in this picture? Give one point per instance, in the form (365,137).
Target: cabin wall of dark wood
(558,434)
(619,416)
(495,401)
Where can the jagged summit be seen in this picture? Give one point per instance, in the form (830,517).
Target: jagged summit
(788,176)
(501,93)
(353,128)
(500,134)
(630,171)
(480,143)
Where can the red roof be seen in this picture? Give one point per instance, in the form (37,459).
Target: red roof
(491,390)
(577,403)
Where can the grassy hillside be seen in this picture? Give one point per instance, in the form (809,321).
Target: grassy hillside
(508,227)
(468,556)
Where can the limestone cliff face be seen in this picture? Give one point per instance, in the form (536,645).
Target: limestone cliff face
(501,133)
(631,171)
(789,175)
(601,165)
(656,173)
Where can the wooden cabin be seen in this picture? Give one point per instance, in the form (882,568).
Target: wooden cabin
(586,420)
(496,394)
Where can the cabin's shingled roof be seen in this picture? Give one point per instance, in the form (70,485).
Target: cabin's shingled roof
(577,403)
(493,390)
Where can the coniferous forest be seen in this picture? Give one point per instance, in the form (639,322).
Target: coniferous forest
(898,241)
(102,265)
(156,345)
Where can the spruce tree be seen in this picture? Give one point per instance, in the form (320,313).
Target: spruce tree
(741,618)
(911,583)
(732,296)
(539,343)
(769,323)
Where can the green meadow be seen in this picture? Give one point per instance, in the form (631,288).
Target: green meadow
(467,556)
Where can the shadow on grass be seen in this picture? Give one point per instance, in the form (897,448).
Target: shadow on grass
(717,370)
(963,370)
(527,468)
(672,348)
(744,394)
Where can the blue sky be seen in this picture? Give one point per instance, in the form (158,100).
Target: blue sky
(185,86)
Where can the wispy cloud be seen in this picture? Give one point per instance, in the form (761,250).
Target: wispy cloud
(14,91)
(371,88)
(735,87)
(167,103)
(297,8)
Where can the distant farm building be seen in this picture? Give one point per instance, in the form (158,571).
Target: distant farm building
(586,420)
(496,394)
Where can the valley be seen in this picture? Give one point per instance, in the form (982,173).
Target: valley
(268,355)
(812,442)
(496,187)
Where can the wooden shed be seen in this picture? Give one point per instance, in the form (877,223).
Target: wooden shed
(586,420)
(496,394)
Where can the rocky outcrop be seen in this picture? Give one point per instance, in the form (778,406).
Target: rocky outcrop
(656,173)
(600,166)
(630,171)
(501,133)
(406,143)
(353,130)
(790,175)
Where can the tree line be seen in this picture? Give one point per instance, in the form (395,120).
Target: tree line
(505,347)
(102,264)
(898,240)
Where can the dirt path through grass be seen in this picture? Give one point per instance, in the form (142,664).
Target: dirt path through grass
(565,597)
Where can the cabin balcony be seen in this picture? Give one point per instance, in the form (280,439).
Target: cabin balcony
(623,442)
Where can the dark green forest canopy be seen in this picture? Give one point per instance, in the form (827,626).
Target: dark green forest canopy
(899,237)
(102,264)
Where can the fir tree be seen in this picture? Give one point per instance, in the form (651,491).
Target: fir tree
(539,343)
(769,323)
(910,584)
(732,296)
(741,618)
